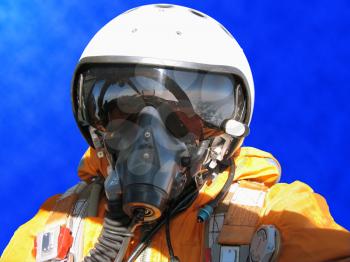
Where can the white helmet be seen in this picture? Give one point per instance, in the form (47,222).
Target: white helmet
(169,36)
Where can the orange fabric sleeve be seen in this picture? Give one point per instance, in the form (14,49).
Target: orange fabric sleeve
(21,244)
(307,228)
(256,165)
(90,165)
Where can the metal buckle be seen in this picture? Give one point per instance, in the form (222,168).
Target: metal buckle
(47,244)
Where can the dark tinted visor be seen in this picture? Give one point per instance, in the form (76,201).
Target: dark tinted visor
(196,99)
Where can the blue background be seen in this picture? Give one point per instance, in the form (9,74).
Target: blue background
(300,58)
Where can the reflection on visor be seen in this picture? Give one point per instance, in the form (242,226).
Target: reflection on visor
(187,100)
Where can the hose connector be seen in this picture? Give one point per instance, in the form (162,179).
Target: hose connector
(205,213)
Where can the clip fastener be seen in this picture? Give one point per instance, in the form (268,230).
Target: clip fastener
(53,244)
(96,142)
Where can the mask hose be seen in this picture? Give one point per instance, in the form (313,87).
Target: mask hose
(114,238)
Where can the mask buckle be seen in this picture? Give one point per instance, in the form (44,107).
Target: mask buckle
(219,149)
(53,244)
(96,142)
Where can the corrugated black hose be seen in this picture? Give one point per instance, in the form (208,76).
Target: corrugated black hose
(115,236)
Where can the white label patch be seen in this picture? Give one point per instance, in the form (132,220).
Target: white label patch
(248,197)
(229,254)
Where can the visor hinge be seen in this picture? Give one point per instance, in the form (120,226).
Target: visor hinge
(235,128)
(219,149)
(96,142)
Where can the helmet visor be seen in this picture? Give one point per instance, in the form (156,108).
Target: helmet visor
(198,100)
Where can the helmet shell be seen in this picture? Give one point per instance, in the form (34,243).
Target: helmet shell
(169,36)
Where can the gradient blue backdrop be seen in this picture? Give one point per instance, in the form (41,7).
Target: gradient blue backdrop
(300,58)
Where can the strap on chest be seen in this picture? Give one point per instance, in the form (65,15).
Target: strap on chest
(234,222)
(62,239)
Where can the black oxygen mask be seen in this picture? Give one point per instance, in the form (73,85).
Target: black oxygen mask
(149,170)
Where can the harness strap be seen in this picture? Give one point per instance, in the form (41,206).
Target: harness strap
(243,214)
(62,238)
(229,232)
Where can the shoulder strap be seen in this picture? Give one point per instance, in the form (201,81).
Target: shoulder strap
(63,228)
(234,222)
(243,214)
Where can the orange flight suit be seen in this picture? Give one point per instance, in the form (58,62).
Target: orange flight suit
(308,231)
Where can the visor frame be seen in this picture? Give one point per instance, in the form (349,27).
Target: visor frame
(171,64)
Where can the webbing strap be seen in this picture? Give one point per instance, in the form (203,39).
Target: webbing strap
(243,214)
(70,209)
(234,221)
